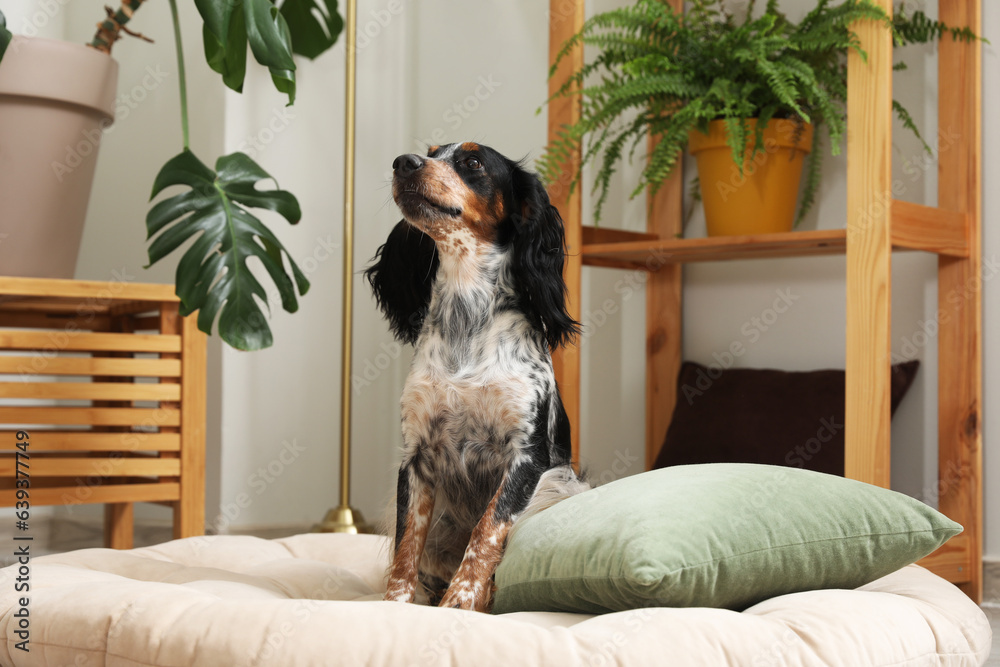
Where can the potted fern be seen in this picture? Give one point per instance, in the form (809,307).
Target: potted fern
(215,209)
(751,95)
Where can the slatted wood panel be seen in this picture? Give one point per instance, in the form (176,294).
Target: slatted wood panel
(43,365)
(11,339)
(72,307)
(109,493)
(114,416)
(119,517)
(20,318)
(100,467)
(91,391)
(91,416)
(91,294)
(89,441)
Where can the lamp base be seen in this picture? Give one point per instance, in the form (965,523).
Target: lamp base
(342,519)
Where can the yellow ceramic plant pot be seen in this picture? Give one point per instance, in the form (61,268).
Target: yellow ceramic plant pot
(762,199)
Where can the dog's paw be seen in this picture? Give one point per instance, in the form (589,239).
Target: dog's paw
(455,600)
(399,591)
(467,595)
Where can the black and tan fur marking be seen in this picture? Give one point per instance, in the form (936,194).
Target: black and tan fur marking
(473,277)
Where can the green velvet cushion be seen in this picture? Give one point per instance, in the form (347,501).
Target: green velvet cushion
(715,535)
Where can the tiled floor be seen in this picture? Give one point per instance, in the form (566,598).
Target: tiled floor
(994,614)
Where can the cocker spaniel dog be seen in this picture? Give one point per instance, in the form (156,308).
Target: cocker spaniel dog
(472,276)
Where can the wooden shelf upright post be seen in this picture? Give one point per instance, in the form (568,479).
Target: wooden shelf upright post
(869,254)
(664,324)
(960,353)
(565,20)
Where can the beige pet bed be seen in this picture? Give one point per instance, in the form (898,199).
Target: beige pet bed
(314,600)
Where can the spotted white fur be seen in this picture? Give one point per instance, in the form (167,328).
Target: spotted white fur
(481,375)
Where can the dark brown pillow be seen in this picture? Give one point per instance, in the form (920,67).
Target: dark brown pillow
(745,415)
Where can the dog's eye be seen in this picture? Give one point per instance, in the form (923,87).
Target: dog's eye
(473,163)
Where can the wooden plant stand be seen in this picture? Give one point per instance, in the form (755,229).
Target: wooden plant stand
(876,225)
(109,383)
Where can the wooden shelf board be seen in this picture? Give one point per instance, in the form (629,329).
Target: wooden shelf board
(914,227)
(43,440)
(14,339)
(108,493)
(918,227)
(99,293)
(594,235)
(652,254)
(96,467)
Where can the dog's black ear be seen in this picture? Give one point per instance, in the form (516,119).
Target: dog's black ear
(539,245)
(401,275)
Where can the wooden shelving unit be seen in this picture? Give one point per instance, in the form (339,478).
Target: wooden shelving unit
(876,226)
(914,227)
(108,380)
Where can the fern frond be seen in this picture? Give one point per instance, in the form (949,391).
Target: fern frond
(813,172)
(918,28)
(908,123)
(661,73)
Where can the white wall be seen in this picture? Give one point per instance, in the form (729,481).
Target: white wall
(430,73)
(991,287)
(404,102)
(281,405)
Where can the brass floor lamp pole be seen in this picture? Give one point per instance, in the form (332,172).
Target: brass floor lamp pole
(344,519)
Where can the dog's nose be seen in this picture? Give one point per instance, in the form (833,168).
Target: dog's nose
(405,165)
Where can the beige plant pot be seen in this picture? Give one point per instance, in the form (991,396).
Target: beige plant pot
(56,99)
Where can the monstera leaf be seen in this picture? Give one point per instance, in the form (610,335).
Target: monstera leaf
(311,36)
(228,55)
(304,27)
(212,276)
(5,35)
